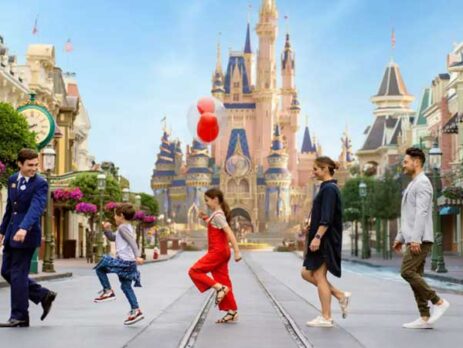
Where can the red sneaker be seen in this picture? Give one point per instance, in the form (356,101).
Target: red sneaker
(105,295)
(134,316)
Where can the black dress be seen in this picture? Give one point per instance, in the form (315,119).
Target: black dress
(326,211)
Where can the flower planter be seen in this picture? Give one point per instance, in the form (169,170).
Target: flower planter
(163,246)
(175,244)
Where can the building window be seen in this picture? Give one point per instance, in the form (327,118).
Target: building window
(236,97)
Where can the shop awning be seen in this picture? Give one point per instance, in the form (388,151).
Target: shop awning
(449,210)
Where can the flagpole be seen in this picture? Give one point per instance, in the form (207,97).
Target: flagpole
(392,44)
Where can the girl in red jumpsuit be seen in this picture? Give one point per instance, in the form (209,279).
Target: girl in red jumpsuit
(218,254)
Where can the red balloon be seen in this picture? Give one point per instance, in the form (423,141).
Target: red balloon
(206,104)
(208,127)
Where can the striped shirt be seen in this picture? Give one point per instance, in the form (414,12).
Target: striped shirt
(218,219)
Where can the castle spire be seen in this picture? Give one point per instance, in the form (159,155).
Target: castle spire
(308,146)
(247,44)
(218,77)
(218,64)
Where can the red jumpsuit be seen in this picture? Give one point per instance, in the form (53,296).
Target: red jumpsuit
(215,262)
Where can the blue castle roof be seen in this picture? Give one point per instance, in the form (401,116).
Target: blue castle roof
(307,145)
(167,150)
(238,135)
(237,62)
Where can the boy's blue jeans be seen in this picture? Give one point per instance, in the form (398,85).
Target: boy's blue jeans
(126,286)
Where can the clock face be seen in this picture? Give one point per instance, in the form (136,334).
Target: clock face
(237,165)
(40,122)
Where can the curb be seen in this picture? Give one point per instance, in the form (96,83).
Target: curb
(164,259)
(41,278)
(445,278)
(426,274)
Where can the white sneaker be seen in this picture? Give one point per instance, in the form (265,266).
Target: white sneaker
(438,311)
(418,324)
(320,322)
(344,304)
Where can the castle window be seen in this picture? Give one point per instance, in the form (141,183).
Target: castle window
(236,97)
(236,84)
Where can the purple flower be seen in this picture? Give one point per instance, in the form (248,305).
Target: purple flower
(86,208)
(2,168)
(139,215)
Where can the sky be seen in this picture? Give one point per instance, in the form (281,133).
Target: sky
(138,61)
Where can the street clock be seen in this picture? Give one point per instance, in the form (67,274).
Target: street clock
(40,122)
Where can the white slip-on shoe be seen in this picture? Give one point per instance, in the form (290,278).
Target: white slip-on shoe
(344,304)
(438,311)
(320,322)
(418,324)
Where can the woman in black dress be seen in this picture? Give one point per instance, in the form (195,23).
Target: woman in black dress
(323,251)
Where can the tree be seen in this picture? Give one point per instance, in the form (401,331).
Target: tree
(149,203)
(14,135)
(385,205)
(352,203)
(88,185)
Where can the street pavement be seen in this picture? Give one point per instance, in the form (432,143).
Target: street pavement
(274,304)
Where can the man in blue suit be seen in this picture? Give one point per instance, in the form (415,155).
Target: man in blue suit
(21,234)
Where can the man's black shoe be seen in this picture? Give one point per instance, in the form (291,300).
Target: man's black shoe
(15,323)
(47,302)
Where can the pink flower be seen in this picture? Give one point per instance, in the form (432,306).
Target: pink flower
(76,194)
(149,219)
(68,194)
(2,167)
(86,208)
(110,206)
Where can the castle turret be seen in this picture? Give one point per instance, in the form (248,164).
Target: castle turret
(198,178)
(217,77)
(265,92)
(164,173)
(287,76)
(309,152)
(278,181)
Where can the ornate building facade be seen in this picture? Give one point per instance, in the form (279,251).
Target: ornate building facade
(266,179)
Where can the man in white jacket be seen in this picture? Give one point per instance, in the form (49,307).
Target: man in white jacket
(417,234)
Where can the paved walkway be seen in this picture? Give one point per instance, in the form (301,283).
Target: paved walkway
(65,268)
(274,304)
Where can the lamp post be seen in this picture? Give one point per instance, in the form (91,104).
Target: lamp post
(365,246)
(141,227)
(437,254)
(101,186)
(125,194)
(49,155)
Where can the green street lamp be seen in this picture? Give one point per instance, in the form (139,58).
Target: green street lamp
(125,194)
(140,227)
(49,156)
(437,254)
(101,186)
(365,240)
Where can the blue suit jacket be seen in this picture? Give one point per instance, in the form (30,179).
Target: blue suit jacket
(24,210)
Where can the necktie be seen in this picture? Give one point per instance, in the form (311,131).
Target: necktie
(22,184)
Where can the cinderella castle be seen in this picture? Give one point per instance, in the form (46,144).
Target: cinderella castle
(266,179)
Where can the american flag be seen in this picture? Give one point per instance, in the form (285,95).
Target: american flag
(68,46)
(35,29)
(393,38)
